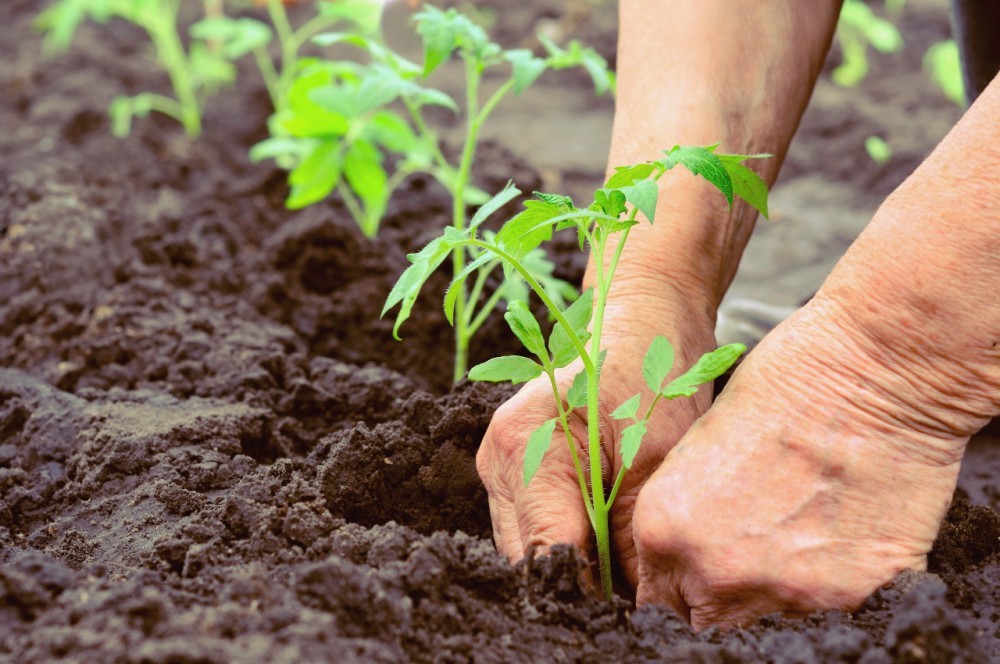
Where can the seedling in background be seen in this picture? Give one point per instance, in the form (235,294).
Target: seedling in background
(239,36)
(195,72)
(343,120)
(630,191)
(857,29)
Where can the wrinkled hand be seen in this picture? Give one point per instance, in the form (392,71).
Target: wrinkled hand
(801,489)
(551,510)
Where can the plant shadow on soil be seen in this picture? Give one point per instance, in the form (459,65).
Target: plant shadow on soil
(211,450)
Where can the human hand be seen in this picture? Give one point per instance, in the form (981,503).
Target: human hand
(551,509)
(802,488)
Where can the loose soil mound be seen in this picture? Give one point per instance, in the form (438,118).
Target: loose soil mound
(211,450)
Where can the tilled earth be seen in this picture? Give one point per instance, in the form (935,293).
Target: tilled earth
(211,450)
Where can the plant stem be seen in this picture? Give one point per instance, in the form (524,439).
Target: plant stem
(574,338)
(601,508)
(564,421)
(472,77)
(163,33)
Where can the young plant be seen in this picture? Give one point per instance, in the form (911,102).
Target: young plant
(195,72)
(343,120)
(857,29)
(631,191)
(238,36)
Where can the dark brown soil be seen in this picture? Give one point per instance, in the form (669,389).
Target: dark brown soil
(211,450)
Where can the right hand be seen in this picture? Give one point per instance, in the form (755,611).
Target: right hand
(551,510)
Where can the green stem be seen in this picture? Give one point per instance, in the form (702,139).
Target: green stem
(286,38)
(601,507)
(574,338)
(162,31)
(472,78)
(484,313)
(564,421)
(270,76)
(424,130)
(354,207)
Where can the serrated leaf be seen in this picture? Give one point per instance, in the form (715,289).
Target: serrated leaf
(366,177)
(406,289)
(506,195)
(631,442)
(578,315)
(438,32)
(628,409)
(455,287)
(746,183)
(627,175)
(657,363)
(708,367)
(564,203)
(524,326)
(526,68)
(538,444)
(237,36)
(315,176)
(392,132)
(576,396)
(512,368)
(643,195)
(610,201)
(701,161)
(530,228)
(366,14)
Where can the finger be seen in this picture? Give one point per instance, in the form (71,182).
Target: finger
(551,509)
(506,533)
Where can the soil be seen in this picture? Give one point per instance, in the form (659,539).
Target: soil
(211,449)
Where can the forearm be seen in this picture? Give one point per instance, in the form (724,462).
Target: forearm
(739,72)
(930,261)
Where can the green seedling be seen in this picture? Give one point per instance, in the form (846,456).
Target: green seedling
(879,151)
(944,65)
(576,335)
(858,29)
(347,125)
(239,36)
(195,72)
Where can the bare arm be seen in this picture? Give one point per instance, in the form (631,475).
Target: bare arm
(740,72)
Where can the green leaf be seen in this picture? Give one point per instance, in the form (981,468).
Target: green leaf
(627,175)
(643,195)
(708,367)
(701,161)
(576,396)
(657,363)
(538,444)
(746,183)
(610,201)
(437,30)
(522,322)
(455,287)
(280,147)
(392,132)
(315,176)
(237,36)
(379,87)
(578,315)
(526,68)
(366,14)
(631,441)
(407,287)
(528,229)
(564,203)
(513,368)
(366,177)
(628,409)
(506,195)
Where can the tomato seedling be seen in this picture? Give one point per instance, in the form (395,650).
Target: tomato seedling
(343,119)
(577,331)
(195,72)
